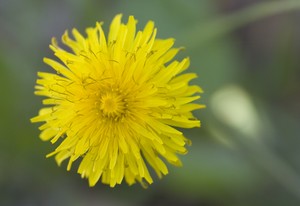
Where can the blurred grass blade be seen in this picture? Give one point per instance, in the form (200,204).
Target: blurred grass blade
(244,130)
(207,32)
(261,155)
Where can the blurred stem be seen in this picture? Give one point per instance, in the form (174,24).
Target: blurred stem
(207,32)
(264,157)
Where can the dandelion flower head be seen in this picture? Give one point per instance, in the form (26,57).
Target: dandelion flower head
(116,102)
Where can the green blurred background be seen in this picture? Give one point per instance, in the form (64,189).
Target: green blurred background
(246,53)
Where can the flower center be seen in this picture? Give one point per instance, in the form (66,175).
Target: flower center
(109,104)
(112,105)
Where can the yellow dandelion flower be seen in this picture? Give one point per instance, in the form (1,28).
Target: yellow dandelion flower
(115,101)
